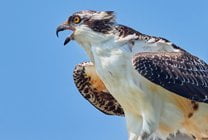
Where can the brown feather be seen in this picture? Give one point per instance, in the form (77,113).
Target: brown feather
(92,88)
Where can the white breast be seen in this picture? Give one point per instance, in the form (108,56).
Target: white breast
(115,69)
(129,88)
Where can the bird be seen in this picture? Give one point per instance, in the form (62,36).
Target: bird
(159,87)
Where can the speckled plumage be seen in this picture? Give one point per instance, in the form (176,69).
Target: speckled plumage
(94,91)
(179,72)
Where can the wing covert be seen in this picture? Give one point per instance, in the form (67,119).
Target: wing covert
(92,88)
(178,72)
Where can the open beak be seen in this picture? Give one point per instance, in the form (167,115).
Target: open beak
(63,27)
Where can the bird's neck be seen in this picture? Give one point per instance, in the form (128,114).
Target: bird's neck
(98,44)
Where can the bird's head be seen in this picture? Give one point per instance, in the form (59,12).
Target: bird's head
(88,26)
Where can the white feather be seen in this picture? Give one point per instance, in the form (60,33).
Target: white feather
(145,109)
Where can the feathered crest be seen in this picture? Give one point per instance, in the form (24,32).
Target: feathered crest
(107,15)
(98,15)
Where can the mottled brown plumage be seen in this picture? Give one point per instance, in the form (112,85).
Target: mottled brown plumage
(92,88)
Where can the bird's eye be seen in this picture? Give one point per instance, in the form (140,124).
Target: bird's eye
(76,19)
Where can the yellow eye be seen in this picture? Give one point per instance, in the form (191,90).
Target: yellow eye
(76,19)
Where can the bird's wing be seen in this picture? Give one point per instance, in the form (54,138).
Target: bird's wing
(92,88)
(178,72)
(139,42)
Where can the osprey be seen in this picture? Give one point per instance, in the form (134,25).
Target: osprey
(160,87)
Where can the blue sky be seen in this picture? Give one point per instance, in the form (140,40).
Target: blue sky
(38,99)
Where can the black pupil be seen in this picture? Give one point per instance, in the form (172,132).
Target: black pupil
(76,19)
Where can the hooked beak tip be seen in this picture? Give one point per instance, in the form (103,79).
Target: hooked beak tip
(57,33)
(63,27)
(60,28)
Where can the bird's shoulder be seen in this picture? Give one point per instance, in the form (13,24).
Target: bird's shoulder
(143,42)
